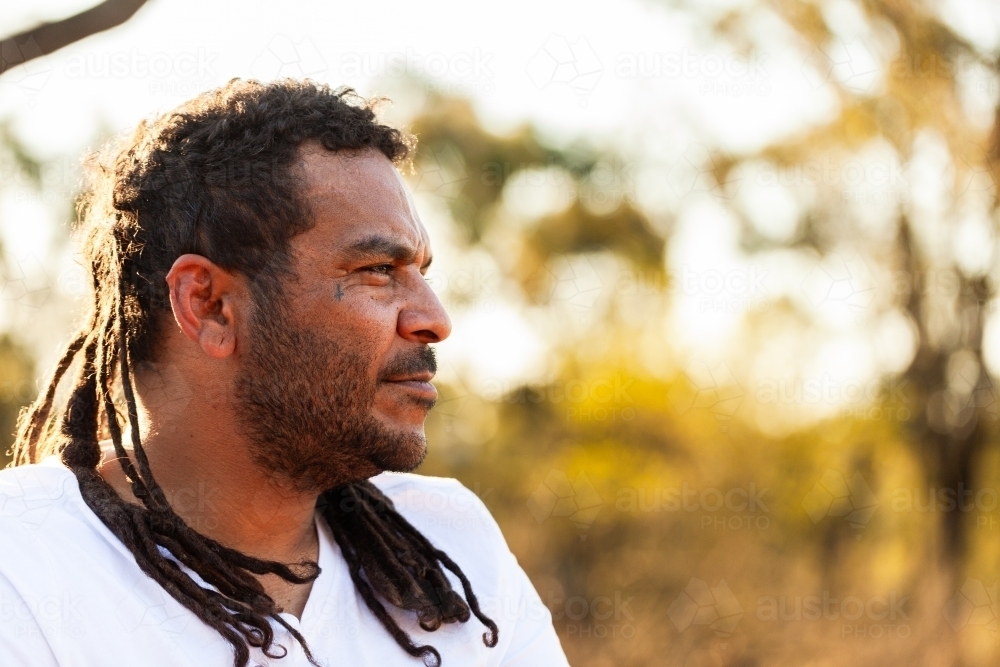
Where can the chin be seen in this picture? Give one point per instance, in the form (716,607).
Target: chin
(402,421)
(402,454)
(403,444)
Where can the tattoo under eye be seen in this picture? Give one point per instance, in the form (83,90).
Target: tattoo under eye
(339,293)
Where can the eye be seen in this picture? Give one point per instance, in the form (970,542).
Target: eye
(384,269)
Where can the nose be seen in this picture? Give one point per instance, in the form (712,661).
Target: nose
(423,319)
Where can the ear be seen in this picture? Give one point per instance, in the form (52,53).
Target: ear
(205,298)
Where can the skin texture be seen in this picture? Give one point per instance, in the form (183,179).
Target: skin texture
(347,337)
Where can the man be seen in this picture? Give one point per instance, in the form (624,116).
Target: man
(260,323)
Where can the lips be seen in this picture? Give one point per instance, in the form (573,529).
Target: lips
(417,383)
(423,376)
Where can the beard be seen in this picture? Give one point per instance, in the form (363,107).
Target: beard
(305,403)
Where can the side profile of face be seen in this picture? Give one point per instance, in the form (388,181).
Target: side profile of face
(334,377)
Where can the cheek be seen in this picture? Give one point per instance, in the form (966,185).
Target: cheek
(358,323)
(356,314)
(369,331)
(374,320)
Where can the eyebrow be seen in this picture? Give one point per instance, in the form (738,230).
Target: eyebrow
(382,246)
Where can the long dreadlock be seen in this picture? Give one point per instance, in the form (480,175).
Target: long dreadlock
(213,178)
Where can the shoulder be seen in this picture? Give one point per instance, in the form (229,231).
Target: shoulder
(455,519)
(435,499)
(40,522)
(43,519)
(450,515)
(30,493)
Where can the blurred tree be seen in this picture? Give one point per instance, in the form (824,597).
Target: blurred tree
(47,38)
(17,164)
(482,164)
(17,389)
(19,167)
(918,71)
(915,102)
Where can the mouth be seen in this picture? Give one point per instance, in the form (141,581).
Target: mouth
(417,384)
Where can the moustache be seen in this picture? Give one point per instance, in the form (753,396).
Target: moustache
(418,360)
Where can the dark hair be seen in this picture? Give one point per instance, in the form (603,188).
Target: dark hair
(214,177)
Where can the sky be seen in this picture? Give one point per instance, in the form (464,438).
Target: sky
(564,65)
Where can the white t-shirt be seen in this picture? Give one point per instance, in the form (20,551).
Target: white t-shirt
(71,594)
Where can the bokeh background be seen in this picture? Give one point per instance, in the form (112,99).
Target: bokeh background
(723,277)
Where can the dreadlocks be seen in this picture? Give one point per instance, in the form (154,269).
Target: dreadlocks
(213,178)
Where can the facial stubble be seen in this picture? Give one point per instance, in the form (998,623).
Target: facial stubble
(305,402)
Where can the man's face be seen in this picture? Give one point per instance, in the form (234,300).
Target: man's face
(335,380)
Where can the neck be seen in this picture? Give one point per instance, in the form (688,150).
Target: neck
(214,486)
(198,457)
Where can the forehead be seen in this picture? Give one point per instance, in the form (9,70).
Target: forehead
(353,195)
